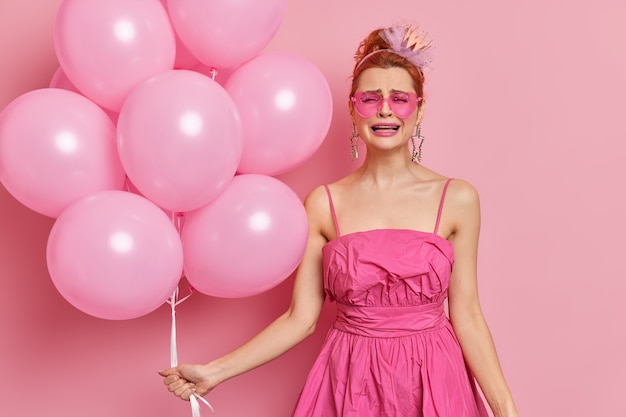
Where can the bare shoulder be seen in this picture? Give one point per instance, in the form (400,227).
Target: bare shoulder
(462,195)
(462,208)
(317,200)
(459,192)
(318,211)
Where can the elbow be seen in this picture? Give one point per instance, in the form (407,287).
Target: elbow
(310,329)
(467,320)
(304,326)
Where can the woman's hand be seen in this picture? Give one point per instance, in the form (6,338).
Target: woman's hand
(187,380)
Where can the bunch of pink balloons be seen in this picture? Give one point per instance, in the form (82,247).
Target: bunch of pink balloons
(135,131)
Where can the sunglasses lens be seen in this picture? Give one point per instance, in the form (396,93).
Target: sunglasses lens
(402,104)
(368,104)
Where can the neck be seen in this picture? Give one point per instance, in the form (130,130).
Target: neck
(387,169)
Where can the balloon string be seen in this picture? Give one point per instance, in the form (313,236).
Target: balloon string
(173,302)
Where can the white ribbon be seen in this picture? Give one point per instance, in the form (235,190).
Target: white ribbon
(173,302)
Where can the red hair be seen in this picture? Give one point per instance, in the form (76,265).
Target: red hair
(385,59)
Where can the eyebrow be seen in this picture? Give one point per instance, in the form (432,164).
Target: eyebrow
(379,91)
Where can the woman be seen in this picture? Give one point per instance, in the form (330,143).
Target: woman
(389,243)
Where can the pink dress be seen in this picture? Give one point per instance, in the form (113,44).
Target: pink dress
(391,351)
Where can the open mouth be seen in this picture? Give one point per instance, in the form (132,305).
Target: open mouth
(385,128)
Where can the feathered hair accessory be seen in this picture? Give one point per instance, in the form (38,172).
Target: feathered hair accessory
(408,42)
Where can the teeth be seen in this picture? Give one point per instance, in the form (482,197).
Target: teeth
(377,128)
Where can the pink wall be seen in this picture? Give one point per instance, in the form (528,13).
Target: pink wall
(525,101)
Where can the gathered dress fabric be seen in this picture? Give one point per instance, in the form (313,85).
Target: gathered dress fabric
(391,351)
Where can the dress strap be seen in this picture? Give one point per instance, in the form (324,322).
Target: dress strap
(332,209)
(443,196)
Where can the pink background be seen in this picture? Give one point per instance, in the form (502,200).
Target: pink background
(526,101)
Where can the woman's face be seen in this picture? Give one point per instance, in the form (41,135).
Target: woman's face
(390,126)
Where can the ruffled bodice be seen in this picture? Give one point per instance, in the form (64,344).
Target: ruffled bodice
(387,267)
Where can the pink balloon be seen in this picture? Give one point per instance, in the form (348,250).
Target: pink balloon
(114,255)
(106,47)
(286,109)
(57,146)
(180,139)
(226,33)
(247,241)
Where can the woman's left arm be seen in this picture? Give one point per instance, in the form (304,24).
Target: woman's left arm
(463,209)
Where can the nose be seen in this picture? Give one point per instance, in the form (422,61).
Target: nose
(385,109)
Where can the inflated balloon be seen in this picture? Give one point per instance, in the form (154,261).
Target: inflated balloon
(106,47)
(286,109)
(179,139)
(114,255)
(226,33)
(248,240)
(57,146)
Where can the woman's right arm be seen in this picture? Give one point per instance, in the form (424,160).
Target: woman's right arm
(289,329)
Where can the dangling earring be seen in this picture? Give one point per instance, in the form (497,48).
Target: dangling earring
(354,148)
(416,154)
